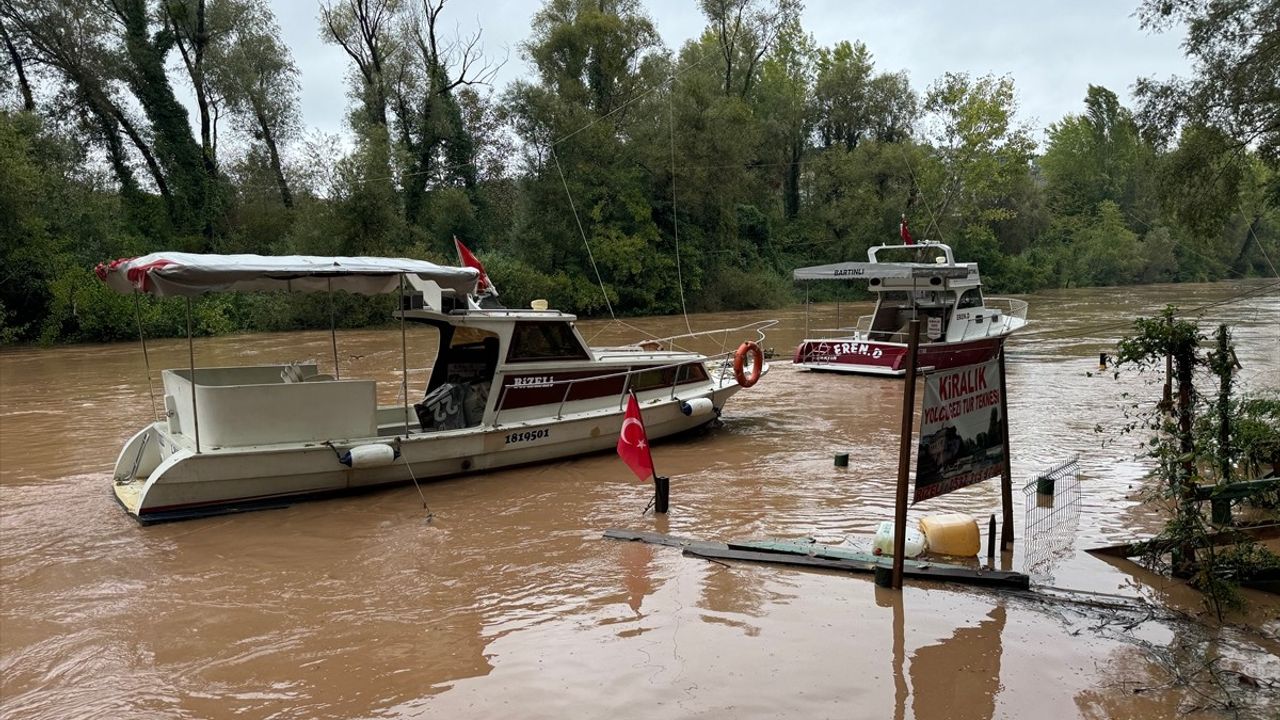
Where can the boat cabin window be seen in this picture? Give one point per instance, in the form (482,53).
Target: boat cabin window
(668,376)
(539,341)
(970,299)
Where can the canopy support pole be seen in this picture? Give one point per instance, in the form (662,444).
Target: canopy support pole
(191,356)
(806,309)
(404,361)
(333,332)
(146,360)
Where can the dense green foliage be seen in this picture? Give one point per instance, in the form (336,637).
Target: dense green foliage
(695,177)
(1202,435)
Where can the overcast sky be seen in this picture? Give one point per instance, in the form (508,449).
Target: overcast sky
(1053,50)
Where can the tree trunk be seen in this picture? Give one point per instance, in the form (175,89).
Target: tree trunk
(791,187)
(175,149)
(28,103)
(1224,368)
(286,197)
(1184,556)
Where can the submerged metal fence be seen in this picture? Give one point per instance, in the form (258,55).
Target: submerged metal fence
(1052,515)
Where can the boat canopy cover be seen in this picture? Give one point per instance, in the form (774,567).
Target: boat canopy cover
(169,274)
(868,270)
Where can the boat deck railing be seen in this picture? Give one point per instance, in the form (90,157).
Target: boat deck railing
(719,369)
(1009,308)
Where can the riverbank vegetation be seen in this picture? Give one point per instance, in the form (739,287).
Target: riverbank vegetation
(621,176)
(1216,448)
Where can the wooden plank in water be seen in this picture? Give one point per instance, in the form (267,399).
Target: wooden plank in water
(922,571)
(832,552)
(801,557)
(654,538)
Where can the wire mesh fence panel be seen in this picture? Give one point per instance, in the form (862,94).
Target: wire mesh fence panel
(1052,515)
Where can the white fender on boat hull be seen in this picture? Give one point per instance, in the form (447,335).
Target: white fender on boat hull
(697,407)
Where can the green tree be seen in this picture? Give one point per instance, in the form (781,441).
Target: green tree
(253,74)
(745,31)
(982,160)
(1235,49)
(583,177)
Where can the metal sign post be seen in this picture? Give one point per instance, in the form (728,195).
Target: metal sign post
(904,455)
(1006,477)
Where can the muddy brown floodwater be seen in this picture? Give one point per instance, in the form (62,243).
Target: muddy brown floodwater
(510,605)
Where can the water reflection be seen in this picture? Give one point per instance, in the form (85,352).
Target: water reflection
(956,678)
(636,559)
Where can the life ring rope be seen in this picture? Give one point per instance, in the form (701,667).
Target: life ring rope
(739,361)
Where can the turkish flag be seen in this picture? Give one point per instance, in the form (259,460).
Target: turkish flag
(484,286)
(633,445)
(904,232)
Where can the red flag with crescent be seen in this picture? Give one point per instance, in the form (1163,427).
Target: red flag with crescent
(484,286)
(633,444)
(904,232)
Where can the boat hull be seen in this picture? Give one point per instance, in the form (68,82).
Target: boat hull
(870,357)
(160,477)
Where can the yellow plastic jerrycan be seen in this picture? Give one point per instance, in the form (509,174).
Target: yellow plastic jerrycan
(953,534)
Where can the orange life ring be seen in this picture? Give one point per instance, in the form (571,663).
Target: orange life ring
(739,359)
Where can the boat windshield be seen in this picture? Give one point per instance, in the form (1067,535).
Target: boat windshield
(541,341)
(914,254)
(970,299)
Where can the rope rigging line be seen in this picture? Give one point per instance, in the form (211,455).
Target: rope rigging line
(1257,241)
(590,255)
(565,183)
(627,103)
(675,216)
(933,220)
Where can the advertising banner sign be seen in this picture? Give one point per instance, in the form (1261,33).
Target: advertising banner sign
(961,436)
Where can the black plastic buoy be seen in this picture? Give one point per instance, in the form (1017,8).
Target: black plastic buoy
(991,538)
(842,459)
(1044,485)
(662,493)
(884,576)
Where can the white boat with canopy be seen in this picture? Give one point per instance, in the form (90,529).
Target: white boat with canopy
(507,387)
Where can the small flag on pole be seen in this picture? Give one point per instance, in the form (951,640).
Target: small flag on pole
(633,444)
(904,232)
(484,286)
